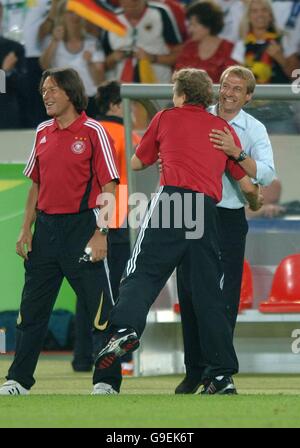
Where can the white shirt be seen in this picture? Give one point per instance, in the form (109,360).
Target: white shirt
(233,13)
(63,58)
(256,143)
(36,13)
(150,34)
(282,11)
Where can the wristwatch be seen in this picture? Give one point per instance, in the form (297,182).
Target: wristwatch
(241,157)
(103,230)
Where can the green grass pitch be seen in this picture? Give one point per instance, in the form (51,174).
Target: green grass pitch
(13,193)
(61,399)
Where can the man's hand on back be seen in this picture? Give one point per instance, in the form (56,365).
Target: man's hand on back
(224,141)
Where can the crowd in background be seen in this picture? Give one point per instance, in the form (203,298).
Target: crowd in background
(160,37)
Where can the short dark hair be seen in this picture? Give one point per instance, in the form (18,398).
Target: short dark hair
(195,84)
(68,80)
(109,92)
(207,14)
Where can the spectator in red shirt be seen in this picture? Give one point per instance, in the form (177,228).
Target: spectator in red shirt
(71,164)
(192,182)
(205,50)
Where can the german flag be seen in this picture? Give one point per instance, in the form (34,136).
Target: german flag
(98,13)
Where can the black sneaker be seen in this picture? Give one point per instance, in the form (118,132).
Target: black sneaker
(188,385)
(122,342)
(225,386)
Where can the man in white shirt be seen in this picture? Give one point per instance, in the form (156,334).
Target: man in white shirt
(152,34)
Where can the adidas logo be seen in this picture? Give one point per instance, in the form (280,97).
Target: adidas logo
(44,140)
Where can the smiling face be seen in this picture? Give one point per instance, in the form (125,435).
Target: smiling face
(260,16)
(72,21)
(233,94)
(56,101)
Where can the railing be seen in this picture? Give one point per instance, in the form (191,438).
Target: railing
(257,352)
(147,94)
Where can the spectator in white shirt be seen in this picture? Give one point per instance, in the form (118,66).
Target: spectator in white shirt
(287,16)
(233,13)
(152,36)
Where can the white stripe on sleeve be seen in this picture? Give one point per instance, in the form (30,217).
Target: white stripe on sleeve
(31,161)
(106,148)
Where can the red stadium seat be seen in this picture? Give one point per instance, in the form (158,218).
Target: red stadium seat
(176,308)
(285,292)
(246,299)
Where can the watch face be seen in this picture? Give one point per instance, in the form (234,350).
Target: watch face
(242,156)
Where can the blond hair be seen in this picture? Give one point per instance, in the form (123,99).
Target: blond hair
(245,26)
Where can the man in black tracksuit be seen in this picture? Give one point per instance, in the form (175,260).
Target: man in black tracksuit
(191,185)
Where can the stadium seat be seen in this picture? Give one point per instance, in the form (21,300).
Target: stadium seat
(246,299)
(284,296)
(176,308)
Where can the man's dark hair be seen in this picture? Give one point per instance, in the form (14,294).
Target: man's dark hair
(207,14)
(195,84)
(68,80)
(109,92)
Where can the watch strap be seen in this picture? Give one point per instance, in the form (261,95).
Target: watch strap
(103,230)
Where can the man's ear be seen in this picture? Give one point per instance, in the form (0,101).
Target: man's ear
(114,108)
(248,98)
